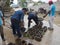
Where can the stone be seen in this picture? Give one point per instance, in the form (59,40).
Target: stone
(11,43)
(45,28)
(30,44)
(37,39)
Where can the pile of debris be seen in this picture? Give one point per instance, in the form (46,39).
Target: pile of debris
(37,31)
(20,42)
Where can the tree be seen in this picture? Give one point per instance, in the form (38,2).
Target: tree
(5,4)
(24,3)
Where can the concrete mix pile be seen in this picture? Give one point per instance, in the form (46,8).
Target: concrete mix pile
(37,31)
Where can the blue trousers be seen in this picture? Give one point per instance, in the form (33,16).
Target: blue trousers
(15,27)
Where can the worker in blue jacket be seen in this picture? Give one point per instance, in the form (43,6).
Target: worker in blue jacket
(32,16)
(16,19)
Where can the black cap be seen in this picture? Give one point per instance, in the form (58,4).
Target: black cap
(26,9)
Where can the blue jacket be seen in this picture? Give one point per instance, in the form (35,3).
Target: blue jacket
(18,15)
(32,15)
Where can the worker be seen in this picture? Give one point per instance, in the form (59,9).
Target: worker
(16,19)
(51,13)
(32,16)
(2,23)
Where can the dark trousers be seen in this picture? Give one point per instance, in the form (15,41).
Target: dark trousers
(15,27)
(35,20)
(2,33)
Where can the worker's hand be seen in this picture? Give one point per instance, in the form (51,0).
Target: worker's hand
(4,23)
(30,21)
(44,16)
(21,24)
(3,20)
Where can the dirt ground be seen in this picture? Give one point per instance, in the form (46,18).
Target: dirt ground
(8,32)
